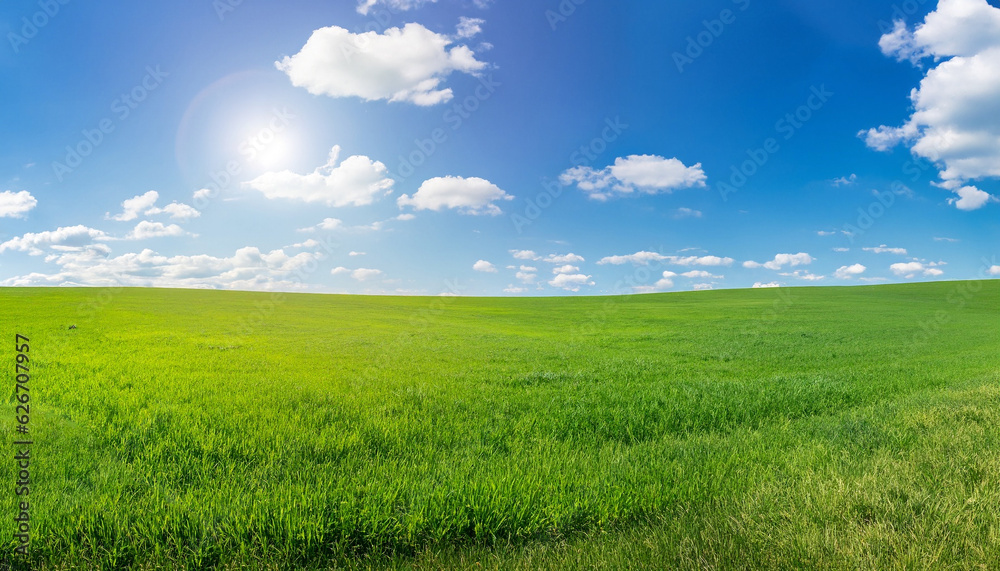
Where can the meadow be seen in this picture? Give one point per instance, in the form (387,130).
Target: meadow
(823,427)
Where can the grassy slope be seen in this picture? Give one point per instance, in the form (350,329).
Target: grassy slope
(814,426)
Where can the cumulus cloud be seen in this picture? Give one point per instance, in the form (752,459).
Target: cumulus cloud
(16,204)
(883,249)
(644,258)
(970,198)
(177,211)
(524,255)
(359,274)
(484,266)
(644,174)
(570,282)
(662,284)
(402,64)
(570,258)
(700,274)
(911,269)
(475,196)
(247,269)
(146,229)
(803,275)
(365,6)
(956,109)
(469,27)
(848,272)
(758,285)
(994,270)
(782,260)
(133,207)
(67,238)
(567,269)
(356,181)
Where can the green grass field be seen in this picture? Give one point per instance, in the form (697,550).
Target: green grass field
(833,428)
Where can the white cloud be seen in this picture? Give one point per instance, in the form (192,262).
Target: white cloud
(758,285)
(662,284)
(802,275)
(688,213)
(911,269)
(472,195)
(355,253)
(942,239)
(845,180)
(512,289)
(16,204)
(407,64)
(841,249)
(146,229)
(700,274)
(469,27)
(133,207)
(567,269)
(570,282)
(994,270)
(527,277)
(364,6)
(176,210)
(570,258)
(970,198)
(825,233)
(646,174)
(484,266)
(524,255)
(703,287)
(202,194)
(68,238)
(956,109)
(644,258)
(329,224)
(782,260)
(848,272)
(360,274)
(248,269)
(405,217)
(356,181)
(883,249)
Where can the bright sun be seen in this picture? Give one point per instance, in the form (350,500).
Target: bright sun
(270,147)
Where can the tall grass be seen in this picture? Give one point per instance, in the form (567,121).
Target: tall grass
(832,428)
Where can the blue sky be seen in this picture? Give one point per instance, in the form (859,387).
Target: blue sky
(475,147)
